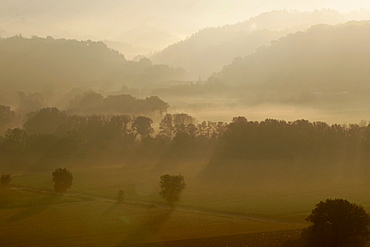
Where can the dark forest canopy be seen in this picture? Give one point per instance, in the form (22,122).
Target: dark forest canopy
(79,101)
(50,135)
(32,64)
(95,103)
(300,139)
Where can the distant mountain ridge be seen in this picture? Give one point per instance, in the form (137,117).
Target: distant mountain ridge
(324,61)
(209,49)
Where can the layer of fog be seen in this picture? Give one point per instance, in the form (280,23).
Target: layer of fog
(275,111)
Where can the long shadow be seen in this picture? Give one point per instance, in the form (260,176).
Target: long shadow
(111,209)
(146,231)
(34,210)
(26,213)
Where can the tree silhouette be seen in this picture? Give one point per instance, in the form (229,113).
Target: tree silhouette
(171,188)
(154,103)
(5,180)
(47,120)
(181,122)
(336,223)
(142,126)
(63,179)
(166,126)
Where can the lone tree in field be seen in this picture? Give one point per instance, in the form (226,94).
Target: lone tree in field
(62,179)
(5,180)
(171,188)
(338,223)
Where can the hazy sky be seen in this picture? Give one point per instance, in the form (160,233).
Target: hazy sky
(103,19)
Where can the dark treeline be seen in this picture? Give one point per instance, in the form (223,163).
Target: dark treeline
(78,101)
(95,103)
(300,139)
(50,136)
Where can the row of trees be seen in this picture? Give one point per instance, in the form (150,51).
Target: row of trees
(80,102)
(50,135)
(95,103)
(301,139)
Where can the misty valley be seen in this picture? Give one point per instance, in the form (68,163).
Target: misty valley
(248,134)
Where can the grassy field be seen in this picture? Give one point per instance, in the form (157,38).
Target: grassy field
(15,198)
(99,223)
(265,190)
(87,216)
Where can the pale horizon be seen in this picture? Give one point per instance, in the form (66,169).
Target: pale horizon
(174,20)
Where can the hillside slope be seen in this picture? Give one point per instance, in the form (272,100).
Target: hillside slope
(331,62)
(208,50)
(59,64)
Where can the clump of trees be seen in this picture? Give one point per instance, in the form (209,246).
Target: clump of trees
(95,103)
(171,188)
(5,180)
(335,223)
(62,179)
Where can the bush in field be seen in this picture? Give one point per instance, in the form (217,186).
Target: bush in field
(171,187)
(62,179)
(120,196)
(5,180)
(336,223)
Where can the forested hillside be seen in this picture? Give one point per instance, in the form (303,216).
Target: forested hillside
(325,62)
(32,64)
(208,50)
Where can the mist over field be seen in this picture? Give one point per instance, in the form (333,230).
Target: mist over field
(184,123)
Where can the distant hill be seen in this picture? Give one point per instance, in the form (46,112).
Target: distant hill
(208,50)
(59,65)
(324,62)
(130,51)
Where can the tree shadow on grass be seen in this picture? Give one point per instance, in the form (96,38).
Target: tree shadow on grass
(147,230)
(26,213)
(111,208)
(43,204)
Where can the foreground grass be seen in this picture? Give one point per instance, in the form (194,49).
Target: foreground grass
(111,224)
(273,190)
(15,198)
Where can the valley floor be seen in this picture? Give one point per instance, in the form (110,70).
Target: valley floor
(99,222)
